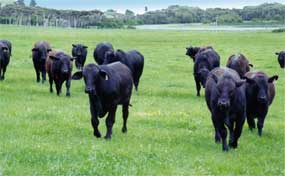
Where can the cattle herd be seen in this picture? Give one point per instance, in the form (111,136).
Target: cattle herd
(233,93)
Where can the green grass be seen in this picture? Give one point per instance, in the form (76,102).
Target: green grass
(169,128)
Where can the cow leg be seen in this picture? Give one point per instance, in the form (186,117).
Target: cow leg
(3,73)
(125,116)
(110,122)
(37,72)
(260,123)
(94,118)
(198,86)
(43,76)
(58,87)
(231,129)
(50,83)
(0,73)
(68,82)
(223,132)
(250,121)
(237,132)
(217,133)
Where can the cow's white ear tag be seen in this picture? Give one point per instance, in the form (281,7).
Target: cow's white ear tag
(106,77)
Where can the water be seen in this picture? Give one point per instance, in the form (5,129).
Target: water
(204,27)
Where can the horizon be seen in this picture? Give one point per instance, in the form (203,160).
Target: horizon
(138,7)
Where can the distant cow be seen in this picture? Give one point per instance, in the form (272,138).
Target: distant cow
(5,54)
(239,63)
(281,58)
(79,53)
(100,50)
(205,61)
(133,59)
(108,86)
(260,92)
(192,51)
(40,54)
(59,69)
(225,97)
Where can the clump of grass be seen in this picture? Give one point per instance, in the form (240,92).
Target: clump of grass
(278,30)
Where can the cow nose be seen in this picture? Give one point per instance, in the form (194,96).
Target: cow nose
(223,104)
(65,71)
(262,99)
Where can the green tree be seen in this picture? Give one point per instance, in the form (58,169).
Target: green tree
(33,3)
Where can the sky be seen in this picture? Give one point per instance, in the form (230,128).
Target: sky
(138,5)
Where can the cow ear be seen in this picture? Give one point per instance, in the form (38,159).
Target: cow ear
(54,58)
(271,79)
(250,65)
(77,76)
(49,50)
(73,45)
(215,78)
(277,53)
(248,80)
(85,46)
(35,49)
(240,83)
(187,48)
(104,74)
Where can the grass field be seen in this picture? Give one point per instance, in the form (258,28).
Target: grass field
(169,128)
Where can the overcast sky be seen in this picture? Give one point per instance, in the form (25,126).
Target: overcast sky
(138,5)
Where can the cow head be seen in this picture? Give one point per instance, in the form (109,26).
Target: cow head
(41,52)
(259,86)
(281,58)
(111,56)
(192,51)
(62,63)
(79,53)
(3,51)
(226,91)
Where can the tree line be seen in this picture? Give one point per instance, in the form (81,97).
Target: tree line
(20,14)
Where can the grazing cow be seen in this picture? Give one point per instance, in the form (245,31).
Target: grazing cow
(192,51)
(281,58)
(239,63)
(5,54)
(108,86)
(100,50)
(225,97)
(79,53)
(260,92)
(40,54)
(133,59)
(59,68)
(205,61)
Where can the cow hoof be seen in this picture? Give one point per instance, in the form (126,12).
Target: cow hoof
(107,137)
(124,130)
(233,145)
(225,149)
(98,135)
(68,94)
(259,133)
(217,140)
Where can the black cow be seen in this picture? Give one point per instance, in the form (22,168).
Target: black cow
(5,54)
(108,86)
(225,97)
(260,92)
(239,63)
(40,54)
(133,59)
(59,69)
(205,61)
(100,50)
(281,58)
(192,51)
(79,53)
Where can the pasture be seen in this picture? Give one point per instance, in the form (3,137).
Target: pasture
(169,128)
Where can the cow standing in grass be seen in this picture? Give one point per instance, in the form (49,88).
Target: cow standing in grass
(226,100)
(260,93)
(192,51)
(79,53)
(5,54)
(59,69)
(107,86)
(281,58)
(239,63)
(40,54)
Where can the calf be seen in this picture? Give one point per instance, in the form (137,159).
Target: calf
(281,58)
(192,51)
(100,50)
(59,68)
(239,63)
(40,54)
(79,53)
(107,86)
(225,97)
(260,92)
(132,59)
(205,61)
(5,54)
